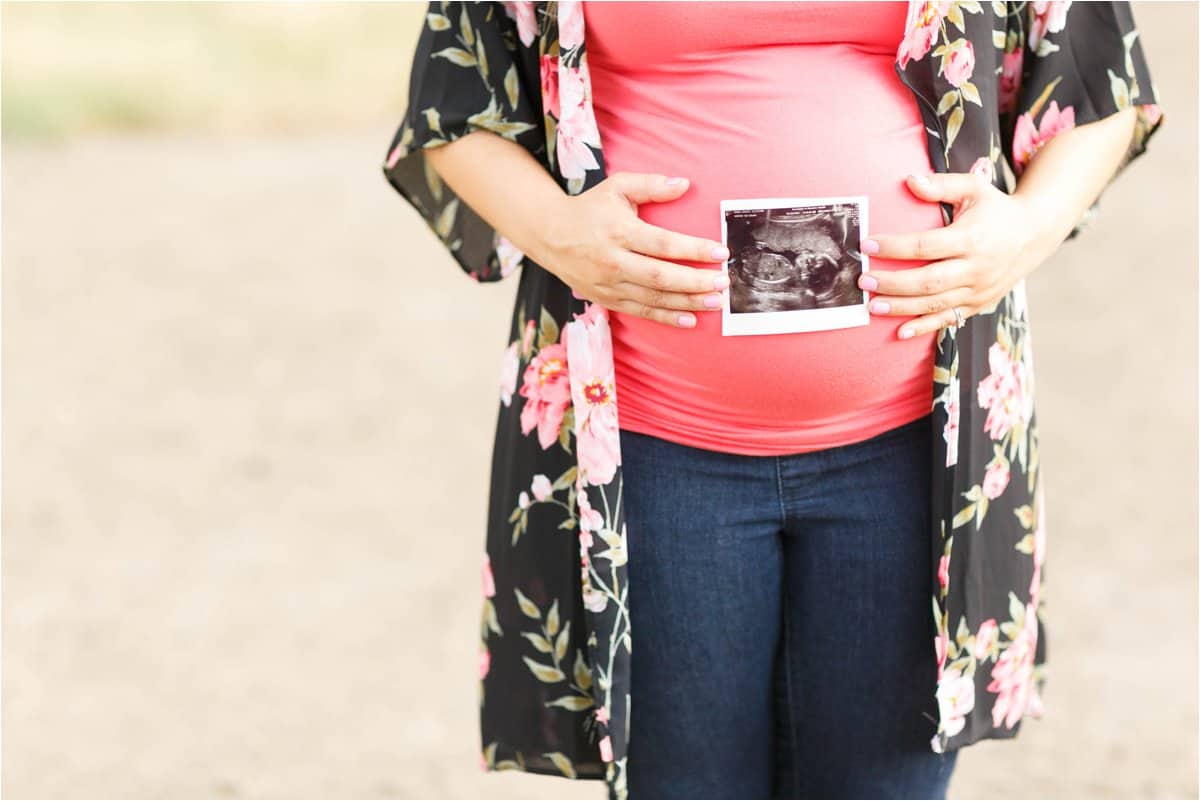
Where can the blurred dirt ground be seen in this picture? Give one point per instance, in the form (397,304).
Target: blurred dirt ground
(236,558)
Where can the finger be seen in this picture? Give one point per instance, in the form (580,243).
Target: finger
(930,279)
(653,240)
(936,243)
(951,187)
(677,301)
(636,268)
(932,322)
(673,318)
(645,187)
(925,305)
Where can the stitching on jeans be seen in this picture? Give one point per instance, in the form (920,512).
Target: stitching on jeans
(779,483)
(793,770)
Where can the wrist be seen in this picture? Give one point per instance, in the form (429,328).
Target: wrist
(1046,222)
(548,233)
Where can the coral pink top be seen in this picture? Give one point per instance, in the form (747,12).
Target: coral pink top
(738,100)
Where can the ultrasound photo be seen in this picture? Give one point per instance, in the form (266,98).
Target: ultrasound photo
(794,264)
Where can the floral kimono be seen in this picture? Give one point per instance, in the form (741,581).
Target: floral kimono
(994,81)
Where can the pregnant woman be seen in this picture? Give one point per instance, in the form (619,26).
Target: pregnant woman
(769,494)
(780,482)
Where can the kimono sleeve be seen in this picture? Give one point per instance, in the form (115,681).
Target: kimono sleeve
(471,71)
(1081,62)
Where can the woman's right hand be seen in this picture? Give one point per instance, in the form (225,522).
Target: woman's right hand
(597,245)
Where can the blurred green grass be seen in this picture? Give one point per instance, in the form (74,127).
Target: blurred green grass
(71,69)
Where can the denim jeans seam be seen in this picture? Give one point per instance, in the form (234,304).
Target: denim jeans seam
(779,483)
(793,745)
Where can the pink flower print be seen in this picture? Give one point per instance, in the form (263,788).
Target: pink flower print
(527,337)
(510,256)
(950,430)
(1035,583)
(549,69)
(960,64)
(955,697)
(570,24)
(1039,549)
(1039,531)
(547,390)
(489,581)
(1012,676)
(1010,79)
(397,153)
(941,645)
(601,714)
(1034,708)
(943,571)
(593,392)
(509,367)
(589,518)
(606,749)
(523,500)
(485,662)
(995,479)
(983,168)
(1049,17)
(523,14)
(1153,112)
(920,37)
(541,488)
(1028,138)
(1002,392)
(985,638)
(577,126)
(593,599)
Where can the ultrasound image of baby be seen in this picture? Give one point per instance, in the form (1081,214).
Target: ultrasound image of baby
(785,259)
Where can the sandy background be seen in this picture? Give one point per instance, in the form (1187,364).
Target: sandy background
(236,562)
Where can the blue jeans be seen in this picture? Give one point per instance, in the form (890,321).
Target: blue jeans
(784,637)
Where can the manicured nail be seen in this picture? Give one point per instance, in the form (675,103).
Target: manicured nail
(721,282)
(879,307)
(870,246)
(867,282)
(687,320)
(720,253)
(676,180)
(919,180)
(712,301)
(906,333)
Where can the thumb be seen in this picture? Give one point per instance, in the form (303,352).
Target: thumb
(951,187)
(643,187)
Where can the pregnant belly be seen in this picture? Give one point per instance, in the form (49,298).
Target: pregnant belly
(760,138)
(774,393)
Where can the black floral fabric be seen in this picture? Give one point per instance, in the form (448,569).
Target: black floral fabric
(994,82)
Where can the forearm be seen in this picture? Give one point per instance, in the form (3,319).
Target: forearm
(1068,173)
(515,194)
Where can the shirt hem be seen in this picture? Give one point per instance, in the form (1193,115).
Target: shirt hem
(729,442)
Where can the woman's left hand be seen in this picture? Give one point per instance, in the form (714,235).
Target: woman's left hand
(992,243)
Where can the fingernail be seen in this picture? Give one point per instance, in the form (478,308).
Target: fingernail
(919,180)
(687,320)
(906,333)
(712,301)
(720,253)
(879,307)
(721,282)
(676,180)
(867,282)
(870,246)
